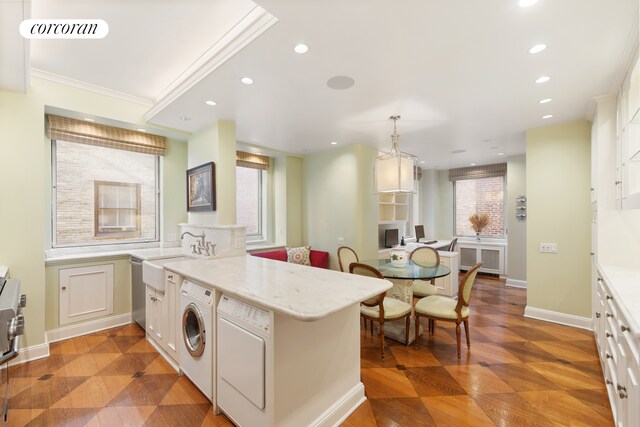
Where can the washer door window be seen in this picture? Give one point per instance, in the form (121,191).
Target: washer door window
(193,330)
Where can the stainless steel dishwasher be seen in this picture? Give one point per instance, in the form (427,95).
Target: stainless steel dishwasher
(138,311)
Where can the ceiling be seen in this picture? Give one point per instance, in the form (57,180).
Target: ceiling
(457,71)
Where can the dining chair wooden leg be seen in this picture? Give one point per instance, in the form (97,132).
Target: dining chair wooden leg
(417,329)
(371,323)
(466,332)
(407,324)
(458,337)
(381,339)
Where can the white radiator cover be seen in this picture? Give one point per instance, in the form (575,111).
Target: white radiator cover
(85,293)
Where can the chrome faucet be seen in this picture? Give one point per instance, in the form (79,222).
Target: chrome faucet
(202,246)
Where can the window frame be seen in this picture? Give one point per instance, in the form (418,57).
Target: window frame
(504,210)
(107,234)
(102,241)
(260,236)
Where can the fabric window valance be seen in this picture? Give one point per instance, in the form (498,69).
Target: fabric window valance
(474,172)
(250,160)
(72,130)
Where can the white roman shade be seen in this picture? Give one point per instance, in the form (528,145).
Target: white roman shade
(72,130)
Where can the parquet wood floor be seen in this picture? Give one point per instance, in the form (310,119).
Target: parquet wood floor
(519,372)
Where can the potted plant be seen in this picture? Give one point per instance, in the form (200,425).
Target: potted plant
(479,222)
(398,258)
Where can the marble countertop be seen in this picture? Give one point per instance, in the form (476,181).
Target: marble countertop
(158,253)
(624,284)
(303,292)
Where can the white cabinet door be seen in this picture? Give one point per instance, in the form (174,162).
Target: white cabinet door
(170,314)
(85,293)
(154,314)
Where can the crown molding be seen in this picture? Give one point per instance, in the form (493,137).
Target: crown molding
(89,87)
(254,24)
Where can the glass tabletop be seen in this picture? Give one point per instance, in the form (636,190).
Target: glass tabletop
(409,271)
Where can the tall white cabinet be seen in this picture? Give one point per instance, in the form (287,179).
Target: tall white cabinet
(616,243)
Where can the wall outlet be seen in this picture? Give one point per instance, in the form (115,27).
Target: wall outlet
(341,241)
(171,237)
(551,248)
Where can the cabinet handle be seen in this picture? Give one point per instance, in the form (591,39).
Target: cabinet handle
(64,288)
(598,315)
(608,356)
(592,253)
(609,315)
(599,279)
(624,328)
(609,297)
(608,335)
(621,387)
(622,395)
(608,382)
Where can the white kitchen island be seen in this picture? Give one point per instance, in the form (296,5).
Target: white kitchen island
(312,351)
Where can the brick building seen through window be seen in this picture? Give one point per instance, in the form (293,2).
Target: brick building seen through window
(481,195)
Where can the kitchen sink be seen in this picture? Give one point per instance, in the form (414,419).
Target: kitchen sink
(153,271)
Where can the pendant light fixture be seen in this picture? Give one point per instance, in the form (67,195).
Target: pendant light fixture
(393,171)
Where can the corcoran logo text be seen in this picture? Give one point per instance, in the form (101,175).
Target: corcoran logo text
(64,28)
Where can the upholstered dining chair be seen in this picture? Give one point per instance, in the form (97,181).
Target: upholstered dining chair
(419,232)
(452,245)
(380,308)
(346,256)
(438,307)
(424,256)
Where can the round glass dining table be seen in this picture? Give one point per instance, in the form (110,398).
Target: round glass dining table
(411,271)
(402,279)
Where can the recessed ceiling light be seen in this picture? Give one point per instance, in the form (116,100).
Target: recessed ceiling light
(89,119)
(543,79)
(141,130)
(544,101)
(212,103)
(247,80)
(301,48)
(462,150)
(422,162)
(538,48)
(547,116)
(526,3)
(334,143)
(185,118)
(500,154)
(472,164)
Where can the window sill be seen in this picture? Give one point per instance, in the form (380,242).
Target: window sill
(81,253)
(263,246)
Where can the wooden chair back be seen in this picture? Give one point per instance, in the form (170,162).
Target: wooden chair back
(425,256)
(369,271)
(346,256)
(464,289)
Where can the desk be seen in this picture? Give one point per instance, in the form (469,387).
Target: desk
(402,279)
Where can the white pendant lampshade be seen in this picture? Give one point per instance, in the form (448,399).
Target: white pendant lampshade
(394,171)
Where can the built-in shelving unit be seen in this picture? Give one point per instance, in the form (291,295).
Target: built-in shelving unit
(393,208)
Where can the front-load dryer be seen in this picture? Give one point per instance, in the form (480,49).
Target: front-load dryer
(196,357)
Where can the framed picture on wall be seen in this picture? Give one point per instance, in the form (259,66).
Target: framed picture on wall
(201,188)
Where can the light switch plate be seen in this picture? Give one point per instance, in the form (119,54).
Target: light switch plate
(551,248)
(341,240)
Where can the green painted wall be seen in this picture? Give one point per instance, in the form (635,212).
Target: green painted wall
(517,230)
(339,201)
(173,190)
(216,143)
(288,200)
(444,206)
(25,226)
(558,211)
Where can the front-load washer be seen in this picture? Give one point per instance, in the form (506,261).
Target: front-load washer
(196,306)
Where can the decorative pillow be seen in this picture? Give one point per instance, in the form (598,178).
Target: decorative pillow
(299,255)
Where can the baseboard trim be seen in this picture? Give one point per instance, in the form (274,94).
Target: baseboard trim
(517,283)
(163,353)
(87,327)
(29,354)
(557,317)
(337,413)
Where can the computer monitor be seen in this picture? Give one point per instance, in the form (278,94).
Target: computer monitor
(390,237)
